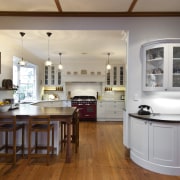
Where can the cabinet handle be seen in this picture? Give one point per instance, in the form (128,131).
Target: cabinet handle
(150,123)
(145,122)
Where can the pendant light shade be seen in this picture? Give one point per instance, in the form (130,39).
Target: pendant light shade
(48,62)
(22,62)
(108,66)
(60,66)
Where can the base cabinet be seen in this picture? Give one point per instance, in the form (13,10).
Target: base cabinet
(139,138)
(110,110)
(156,145)
(163,147)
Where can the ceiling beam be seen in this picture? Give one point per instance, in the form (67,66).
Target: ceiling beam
(58,5)
(90,14)
(132,5)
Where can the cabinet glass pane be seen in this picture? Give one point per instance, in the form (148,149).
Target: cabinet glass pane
(59,78)
(46,75)
(115,76)
(52,75)
(176,67)
(155,67)
(121,79)
(108,78)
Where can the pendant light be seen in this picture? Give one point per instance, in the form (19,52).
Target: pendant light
(60,66)
(22,62)
(48,62)
(108,66)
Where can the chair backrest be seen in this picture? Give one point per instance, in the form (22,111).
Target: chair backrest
(76,116)
(9,120)
(40,120)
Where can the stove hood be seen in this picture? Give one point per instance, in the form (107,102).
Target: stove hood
(84,78)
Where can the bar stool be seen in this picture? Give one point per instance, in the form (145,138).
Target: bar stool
(40,124)
(8,125)
(75,131)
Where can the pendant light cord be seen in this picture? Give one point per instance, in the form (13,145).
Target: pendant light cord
(22,35)
(48,34)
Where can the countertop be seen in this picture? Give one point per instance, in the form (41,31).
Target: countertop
(158,117)
(110,100)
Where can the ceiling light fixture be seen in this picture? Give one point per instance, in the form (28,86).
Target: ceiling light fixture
(108,66)
(60,67)
(48,62)
(22,62)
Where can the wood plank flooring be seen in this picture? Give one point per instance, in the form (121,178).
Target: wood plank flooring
(101,156)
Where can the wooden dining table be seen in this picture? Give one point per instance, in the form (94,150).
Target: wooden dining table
(61,114)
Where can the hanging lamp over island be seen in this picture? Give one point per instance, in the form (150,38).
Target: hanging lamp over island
(48,62)
(22,62)
(60,66)
(108,66)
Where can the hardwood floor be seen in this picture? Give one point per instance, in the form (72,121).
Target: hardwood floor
(101,156)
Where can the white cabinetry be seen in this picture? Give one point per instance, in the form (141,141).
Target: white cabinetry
(52,76)
(110,110)
(155,146)
(161,65)
(139,137)
(116,76)
(163,143)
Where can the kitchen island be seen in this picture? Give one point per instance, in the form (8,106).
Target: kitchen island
(57,115)
(155,142)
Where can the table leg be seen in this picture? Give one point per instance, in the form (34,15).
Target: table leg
(68,150)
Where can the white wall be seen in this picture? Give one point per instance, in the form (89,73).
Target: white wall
(141,30)
(8,49)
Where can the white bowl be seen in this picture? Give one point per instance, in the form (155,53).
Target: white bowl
(4,108)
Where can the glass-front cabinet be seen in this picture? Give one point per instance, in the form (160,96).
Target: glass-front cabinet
(116,76)
(52,76)
(161,67)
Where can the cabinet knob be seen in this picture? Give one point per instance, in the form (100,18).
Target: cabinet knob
(145,122)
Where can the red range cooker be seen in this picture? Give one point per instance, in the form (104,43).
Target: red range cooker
(87,106)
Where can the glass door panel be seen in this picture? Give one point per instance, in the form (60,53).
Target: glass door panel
(176,67)
(155,67)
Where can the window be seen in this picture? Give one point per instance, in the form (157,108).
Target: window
(25,78)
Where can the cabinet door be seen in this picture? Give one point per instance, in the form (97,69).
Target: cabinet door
(174,66)
(139,137)
(163,143)
(178,144)
(155,70)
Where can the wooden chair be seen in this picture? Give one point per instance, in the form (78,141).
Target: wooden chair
(75,132)
(9,125)
(40,124)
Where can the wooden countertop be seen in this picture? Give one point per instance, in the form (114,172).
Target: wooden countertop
(27,110)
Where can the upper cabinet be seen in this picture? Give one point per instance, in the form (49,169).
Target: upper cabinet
(116,76)
(52,76)
(161,66)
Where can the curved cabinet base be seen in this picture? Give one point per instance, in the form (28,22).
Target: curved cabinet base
(168,170)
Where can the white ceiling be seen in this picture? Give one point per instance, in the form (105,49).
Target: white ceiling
(90,5)
(75,45)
